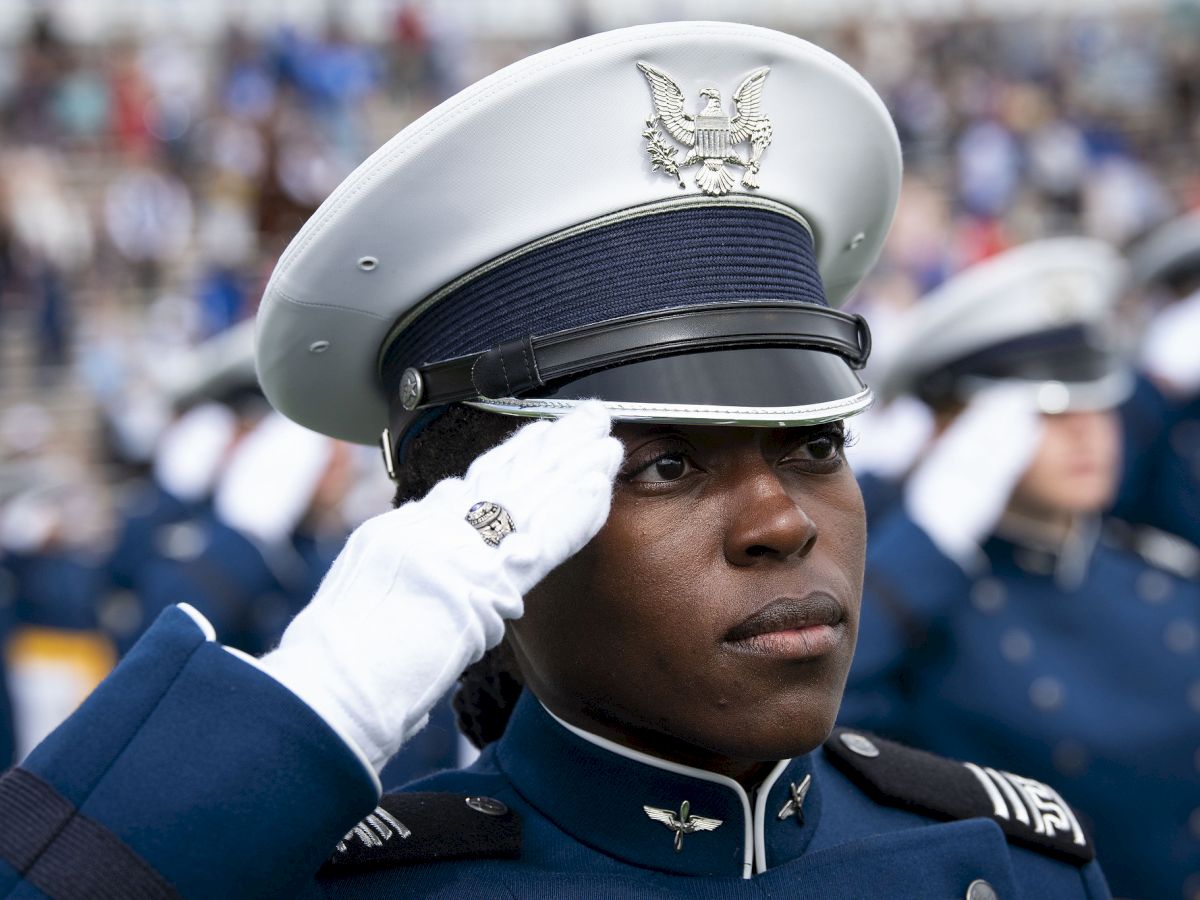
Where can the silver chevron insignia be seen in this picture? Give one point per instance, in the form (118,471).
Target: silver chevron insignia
(1030,802)
(374,830)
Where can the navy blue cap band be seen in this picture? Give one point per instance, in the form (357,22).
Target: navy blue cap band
(1073,353)
(670,259)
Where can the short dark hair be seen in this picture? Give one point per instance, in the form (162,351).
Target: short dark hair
(445,448)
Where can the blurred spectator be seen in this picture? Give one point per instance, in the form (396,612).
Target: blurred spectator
(51,243)
(148,216)
(52,652)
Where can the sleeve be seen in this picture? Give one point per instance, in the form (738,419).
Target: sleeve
(188,772)
(909,587)
(1095,885)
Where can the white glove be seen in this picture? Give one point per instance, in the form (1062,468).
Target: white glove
(959,491)
(1169,346)
(417,594)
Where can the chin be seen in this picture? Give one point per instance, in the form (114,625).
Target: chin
(1087,497)
(775,744)
(779,731)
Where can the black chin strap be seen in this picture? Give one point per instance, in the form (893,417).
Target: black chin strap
(515,368)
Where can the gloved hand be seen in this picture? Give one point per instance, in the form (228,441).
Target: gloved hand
(417,594)
(959,491)
(1169,347)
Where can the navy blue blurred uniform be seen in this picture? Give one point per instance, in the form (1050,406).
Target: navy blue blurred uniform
(8,597)
(55,589)
(880,495)
(1160,481)
(1078,668)
(250,593)
(168,781)
(145,523)
(150,508)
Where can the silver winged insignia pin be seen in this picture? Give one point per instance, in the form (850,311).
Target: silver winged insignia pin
(683,823)
(709,136)
(795,803)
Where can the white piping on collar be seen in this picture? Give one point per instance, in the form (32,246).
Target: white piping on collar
(760,815)
(754,842)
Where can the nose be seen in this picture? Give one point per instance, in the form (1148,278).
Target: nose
(767,523)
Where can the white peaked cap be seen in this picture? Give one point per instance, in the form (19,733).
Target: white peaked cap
(1169,251)
(995,321)
(219,367)
(548,145)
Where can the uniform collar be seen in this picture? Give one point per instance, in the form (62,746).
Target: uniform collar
(1066,560)
(598,791)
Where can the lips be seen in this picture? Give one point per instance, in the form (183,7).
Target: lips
(797,628)
(789,614)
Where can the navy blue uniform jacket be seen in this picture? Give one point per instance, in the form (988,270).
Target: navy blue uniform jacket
(191,773)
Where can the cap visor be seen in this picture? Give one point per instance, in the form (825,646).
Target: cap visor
(755,387)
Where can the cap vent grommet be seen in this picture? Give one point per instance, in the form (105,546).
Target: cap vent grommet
(411,389)
(318,346)
(368,263)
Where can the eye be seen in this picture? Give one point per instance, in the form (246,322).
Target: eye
(668,467)
(823,448)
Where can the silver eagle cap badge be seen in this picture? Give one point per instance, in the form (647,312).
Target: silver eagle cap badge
(710,136)
(683,823)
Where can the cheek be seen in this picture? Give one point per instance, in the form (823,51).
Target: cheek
(628,585)
(646,567)
(1109,440)
(843,530)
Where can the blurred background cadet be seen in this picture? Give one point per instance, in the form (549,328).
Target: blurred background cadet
(1161,486)
(158,156)
(1002,620)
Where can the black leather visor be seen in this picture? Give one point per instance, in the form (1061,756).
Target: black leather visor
(753,379)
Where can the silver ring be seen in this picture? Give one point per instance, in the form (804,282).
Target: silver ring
(491,520)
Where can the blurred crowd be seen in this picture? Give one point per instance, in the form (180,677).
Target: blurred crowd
(147,187)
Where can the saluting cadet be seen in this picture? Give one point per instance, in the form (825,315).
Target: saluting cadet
(1002,621)
(160,516)
(653,226)
(1161,481)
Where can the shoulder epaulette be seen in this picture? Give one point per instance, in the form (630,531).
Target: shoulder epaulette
(427,827)
(1159,549)
(1029,812)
